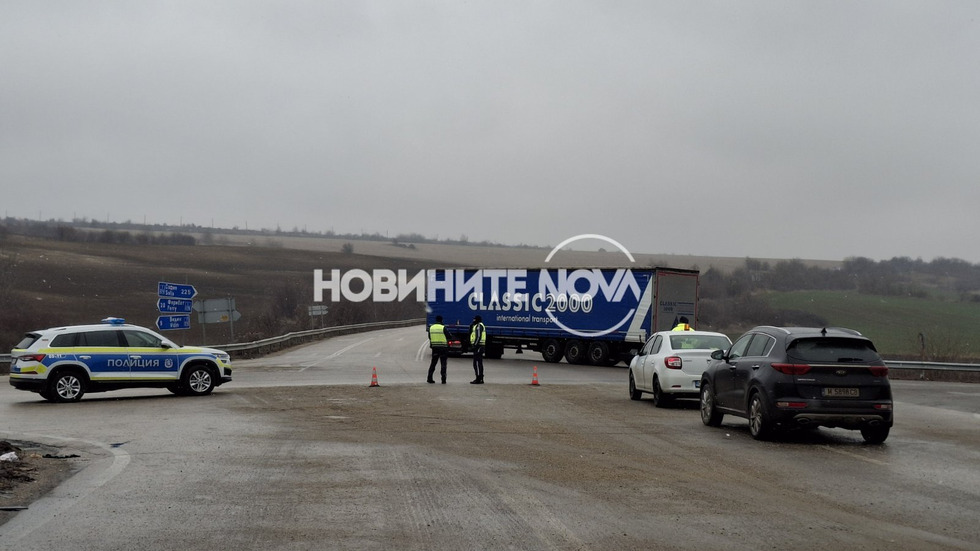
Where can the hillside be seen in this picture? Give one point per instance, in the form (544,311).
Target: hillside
(51,282)
(48,282)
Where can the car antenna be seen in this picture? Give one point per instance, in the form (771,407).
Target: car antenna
(823,332)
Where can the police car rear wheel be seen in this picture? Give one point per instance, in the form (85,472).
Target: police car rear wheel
(198,381)
(66,386)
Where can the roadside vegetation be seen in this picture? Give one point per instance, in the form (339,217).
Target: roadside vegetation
(912,309)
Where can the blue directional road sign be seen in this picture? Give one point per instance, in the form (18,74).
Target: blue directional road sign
(177,321)
(175,305)
(175,290)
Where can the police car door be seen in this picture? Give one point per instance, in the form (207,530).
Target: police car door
(103,354)
(149,359)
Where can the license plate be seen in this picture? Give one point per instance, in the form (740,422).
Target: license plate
(836,392)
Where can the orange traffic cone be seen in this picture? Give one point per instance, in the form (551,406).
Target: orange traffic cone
(534,377)
(374,377)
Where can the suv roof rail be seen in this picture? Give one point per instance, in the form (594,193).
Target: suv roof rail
(845,330)
(774,328)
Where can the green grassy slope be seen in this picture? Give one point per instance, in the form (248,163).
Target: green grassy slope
(951,330)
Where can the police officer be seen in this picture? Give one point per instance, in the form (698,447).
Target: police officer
(683,325)
(439,337)
(478,340)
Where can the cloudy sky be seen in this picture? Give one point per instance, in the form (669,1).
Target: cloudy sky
(782,129)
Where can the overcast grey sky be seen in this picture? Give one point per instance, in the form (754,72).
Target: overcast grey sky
(818,130)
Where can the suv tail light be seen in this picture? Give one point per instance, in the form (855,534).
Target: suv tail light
(30,357)
(792,369)
(673,362)
(879,370)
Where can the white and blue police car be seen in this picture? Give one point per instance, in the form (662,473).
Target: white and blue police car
(63,363)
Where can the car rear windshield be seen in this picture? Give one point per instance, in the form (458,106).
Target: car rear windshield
(699,342)
(833,350)
(28,340)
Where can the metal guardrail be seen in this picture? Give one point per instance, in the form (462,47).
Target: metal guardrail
(932,365)
(272,344)
(299,337)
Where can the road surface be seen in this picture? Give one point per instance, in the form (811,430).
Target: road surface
(300,453)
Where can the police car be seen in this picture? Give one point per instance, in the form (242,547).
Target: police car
(64,363)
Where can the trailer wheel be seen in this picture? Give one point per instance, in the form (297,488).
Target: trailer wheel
(598,353)
(575,352)
(494,350)
(552,351)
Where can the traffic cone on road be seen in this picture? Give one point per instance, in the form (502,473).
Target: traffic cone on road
(534,376)
(374,377)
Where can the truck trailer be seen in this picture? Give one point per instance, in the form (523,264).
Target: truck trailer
(586,315)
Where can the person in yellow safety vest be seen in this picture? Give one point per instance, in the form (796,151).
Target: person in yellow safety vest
(478,339)
(439,338)
(683,325)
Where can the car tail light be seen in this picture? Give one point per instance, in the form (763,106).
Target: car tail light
(879,370)
(796,405)
(31,357)
(883,406)
(673,362)
(792,369)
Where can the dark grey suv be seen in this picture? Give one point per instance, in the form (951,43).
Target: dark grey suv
(789,377)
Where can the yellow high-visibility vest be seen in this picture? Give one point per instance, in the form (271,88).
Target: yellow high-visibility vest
(437,335)
(483,335)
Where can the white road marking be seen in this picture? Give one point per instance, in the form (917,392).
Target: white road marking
(336,354)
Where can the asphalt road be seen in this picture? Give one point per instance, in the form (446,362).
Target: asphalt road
(300,453)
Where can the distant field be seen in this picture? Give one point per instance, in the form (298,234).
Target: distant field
(950,329)
(504,257)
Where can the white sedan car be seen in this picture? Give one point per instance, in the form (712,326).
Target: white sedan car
(670,364)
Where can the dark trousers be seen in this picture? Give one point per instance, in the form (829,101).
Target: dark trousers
(439,354)
(478,362)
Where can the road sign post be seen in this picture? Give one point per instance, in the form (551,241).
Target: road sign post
(174,301)
(217,310)
(175,305)
(317,310)
(174,321)
(175,290)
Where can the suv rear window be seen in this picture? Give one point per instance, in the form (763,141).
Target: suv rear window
(28,340)
(832,350)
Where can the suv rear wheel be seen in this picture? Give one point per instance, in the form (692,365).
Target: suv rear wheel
(760,421)
(875,435)
(710,415)
(65,386)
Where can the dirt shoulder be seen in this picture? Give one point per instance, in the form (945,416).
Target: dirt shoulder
(37,470)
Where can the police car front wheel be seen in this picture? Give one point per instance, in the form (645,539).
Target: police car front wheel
(199,380)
